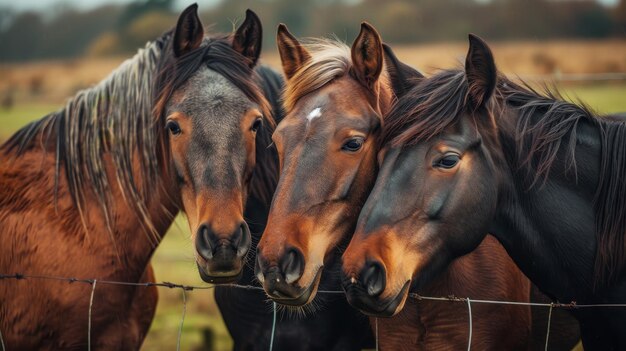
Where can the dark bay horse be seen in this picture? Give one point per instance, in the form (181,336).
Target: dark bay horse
(88,191)
(336,99)
(469,152)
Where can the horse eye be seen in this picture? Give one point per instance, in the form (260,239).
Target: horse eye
(353,145)
(173,127)
(448,161)
(258,123)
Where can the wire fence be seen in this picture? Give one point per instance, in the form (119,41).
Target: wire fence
(556,77)
(185,288)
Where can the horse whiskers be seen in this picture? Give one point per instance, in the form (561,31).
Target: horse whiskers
(301,312)
(249,263)
(250,221)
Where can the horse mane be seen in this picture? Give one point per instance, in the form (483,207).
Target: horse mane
(111,117)
(545,124)
(124,117)
(265,176)
(330,59)
(427,109)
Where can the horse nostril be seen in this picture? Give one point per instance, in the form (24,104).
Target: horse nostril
(259,268)
(373,278)
(203,242)
(292,265)
(243,239)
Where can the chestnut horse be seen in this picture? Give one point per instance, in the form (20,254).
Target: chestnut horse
(480,154)
(336,99)
(88,191)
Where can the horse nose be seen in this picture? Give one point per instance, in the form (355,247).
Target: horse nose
(292,265)
(277,279)
(208,243)
(372,278)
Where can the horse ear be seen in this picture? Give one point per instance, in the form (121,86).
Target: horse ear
(481,71)
(248,38)
(367,55)
(189,32)
(292,54)
(402,76)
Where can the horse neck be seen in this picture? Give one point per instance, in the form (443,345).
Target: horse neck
(135,231)
(105,188)
(145,232)
(548,228)
(28,186)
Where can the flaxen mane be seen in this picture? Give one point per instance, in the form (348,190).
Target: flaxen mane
(545,125)
(330,59)
(123,117)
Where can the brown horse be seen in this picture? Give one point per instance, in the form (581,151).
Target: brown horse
(336,100)
(88,191)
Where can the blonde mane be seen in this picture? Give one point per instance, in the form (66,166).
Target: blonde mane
(330,59)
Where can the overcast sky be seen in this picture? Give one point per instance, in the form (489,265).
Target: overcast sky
(22,5)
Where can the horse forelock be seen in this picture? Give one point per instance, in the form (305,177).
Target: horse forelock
(330,59)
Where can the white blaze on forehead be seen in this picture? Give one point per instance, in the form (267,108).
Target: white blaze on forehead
(314,114)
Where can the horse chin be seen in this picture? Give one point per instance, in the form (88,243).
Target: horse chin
(307,295)
(219,277)
(374,307)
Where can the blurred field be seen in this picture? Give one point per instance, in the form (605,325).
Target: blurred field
(38,88)
(53,81)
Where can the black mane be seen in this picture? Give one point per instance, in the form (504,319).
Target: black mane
(265,176)
(545,124)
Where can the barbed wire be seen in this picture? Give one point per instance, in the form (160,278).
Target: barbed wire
(165,284)
(185,288)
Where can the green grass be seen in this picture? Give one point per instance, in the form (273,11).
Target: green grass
(13,119)
(604,99)
(174,262)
